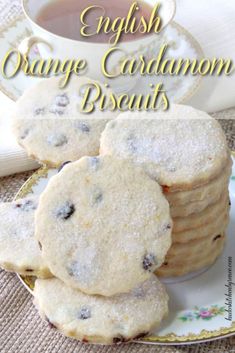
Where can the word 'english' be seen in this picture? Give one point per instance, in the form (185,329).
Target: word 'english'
(130,24)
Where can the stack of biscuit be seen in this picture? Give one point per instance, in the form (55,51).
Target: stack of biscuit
(199,236)
(185,150)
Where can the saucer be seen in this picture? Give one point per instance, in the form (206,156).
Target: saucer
(198,309)
(179,89)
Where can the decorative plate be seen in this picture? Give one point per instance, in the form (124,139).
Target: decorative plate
(201,305)
(182,44)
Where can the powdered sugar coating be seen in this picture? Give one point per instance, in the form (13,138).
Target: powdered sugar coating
(48,122)
(19,250)
(97,319)
(181,148)
(119,217)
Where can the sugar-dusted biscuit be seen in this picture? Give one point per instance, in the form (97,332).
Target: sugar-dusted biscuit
(104,320)
(104,225)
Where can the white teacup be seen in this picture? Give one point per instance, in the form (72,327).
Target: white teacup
(54,46)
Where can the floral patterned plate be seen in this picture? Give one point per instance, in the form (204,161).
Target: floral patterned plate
(202,305)
(182,44)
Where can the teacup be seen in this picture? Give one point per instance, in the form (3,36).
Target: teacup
(54,46)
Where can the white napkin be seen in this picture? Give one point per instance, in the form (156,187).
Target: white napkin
(13,159)
(212,23)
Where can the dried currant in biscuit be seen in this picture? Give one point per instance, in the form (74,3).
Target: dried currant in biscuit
(167,227)
(217,237)
(66,211)
(60,103)
(171,169)
(84,127)
(84,314)
(39,111)
(97,196)
(24,134)
(57,140)
(50,324)
(118,340)
(165,189)
(63,165)
(40,245)
(26,205)
(85,340)
(62,100)
(149,262)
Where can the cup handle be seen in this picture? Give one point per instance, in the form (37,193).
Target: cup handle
(27,44)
